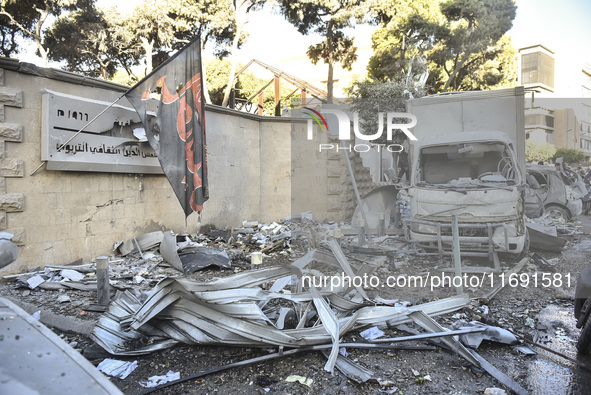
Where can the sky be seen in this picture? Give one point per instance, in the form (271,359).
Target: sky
(563,26)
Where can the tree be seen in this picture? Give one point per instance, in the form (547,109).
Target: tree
(494,68)
(396,45)
(30,24)
(539,152)
(10,33)
(212,19)
(570,155)
(463,43)
(154,31)
(471,30)
(327,18)
(90,42)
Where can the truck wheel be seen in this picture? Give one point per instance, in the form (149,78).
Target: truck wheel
(556,212)
(584,342)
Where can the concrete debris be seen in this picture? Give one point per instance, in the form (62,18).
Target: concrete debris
(525,350)
(34,281)
(160,302)
(494,391)
(71,275)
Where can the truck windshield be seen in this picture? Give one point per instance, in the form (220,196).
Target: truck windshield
(467,165)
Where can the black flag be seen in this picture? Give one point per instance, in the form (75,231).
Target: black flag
(174,91)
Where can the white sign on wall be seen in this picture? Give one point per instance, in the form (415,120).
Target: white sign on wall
(112,143)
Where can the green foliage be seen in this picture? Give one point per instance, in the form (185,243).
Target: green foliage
(538,152)
(462,41)
(89,42)
(570,155)
(212,19)
(29,17)
(22,13)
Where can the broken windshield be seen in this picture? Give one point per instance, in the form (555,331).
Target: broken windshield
(467,165)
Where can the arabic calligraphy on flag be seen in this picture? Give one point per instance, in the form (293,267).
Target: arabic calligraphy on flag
(174,91)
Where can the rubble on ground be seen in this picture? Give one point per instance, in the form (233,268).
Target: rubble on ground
(161,300)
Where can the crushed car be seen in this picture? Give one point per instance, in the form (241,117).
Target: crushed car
(552,193)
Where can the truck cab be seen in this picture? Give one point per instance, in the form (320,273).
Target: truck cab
(467,164)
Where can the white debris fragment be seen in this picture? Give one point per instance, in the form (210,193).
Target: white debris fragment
(117,368)
(483,309)
(300,379)
(71,275)
(63,299)
(36,315)
(389,302)
(155,381)
(372,333)
(35,281)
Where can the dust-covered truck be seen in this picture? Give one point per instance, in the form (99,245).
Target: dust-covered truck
(469,162)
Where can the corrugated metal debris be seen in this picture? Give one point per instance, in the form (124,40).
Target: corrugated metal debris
(244,310)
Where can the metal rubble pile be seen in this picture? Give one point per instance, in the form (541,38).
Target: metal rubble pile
(274,306)
(547,233)
(161,300)
(140,263)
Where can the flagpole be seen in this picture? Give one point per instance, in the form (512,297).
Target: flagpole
(79,131)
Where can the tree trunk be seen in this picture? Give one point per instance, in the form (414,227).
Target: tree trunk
(42,51)
(44,54)
(148,49)
(230,85)
(330,45)
(204,80)
(457,69)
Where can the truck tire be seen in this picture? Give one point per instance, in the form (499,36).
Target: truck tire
(555,211)
(584,342)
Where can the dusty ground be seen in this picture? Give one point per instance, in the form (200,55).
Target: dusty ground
(542,314)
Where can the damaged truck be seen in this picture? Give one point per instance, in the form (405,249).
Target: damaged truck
(467,166)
